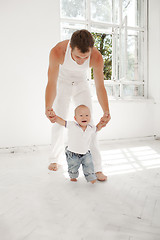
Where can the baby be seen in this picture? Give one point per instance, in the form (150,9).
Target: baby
(77,152)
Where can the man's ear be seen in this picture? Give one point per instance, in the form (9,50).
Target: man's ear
(75,118)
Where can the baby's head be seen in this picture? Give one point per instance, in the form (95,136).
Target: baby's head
(82,115)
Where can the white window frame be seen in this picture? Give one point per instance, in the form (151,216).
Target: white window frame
(121,81)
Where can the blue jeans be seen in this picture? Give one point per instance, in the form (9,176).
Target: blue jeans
(74,161)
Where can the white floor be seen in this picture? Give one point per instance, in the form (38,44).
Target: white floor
(36,204)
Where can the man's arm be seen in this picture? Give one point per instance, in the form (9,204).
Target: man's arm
(55,59)
(53,72)
(97,64)
(50,93)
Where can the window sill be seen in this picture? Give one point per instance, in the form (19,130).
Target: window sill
(127,100)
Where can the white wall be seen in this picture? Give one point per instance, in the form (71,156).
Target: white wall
(154,60)
(29,29)
(129,119)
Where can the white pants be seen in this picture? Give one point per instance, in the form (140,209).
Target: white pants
(80,94)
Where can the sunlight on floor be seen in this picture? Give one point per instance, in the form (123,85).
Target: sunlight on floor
(128,160)
(125,160)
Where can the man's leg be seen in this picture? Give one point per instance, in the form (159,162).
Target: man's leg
(82,96)
(60,106)
(57,146)
(97,161)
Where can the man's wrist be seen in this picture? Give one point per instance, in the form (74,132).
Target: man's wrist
(48,108)
(106,112)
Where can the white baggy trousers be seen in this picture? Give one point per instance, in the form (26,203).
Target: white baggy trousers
(79,93)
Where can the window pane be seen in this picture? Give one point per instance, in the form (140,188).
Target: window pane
(134,11)
(123,50)
(68,28)
(131,90)
(109,90)
(73,9)
(115,54)
(116,11)
(101,10)
(113,90)
(101,28)
(103,42)
(134,56)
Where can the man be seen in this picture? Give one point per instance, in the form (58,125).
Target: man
(67,79)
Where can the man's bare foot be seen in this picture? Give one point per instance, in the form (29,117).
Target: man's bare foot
(53,167)
(93,181)
(101,176)
(73,179)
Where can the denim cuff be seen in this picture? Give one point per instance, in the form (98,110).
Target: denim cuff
(91,177)
(73,175)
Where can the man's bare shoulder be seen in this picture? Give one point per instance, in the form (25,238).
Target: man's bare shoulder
(96,58)
(58,52)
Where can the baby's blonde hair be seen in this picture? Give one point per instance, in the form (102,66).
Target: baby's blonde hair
(80,106)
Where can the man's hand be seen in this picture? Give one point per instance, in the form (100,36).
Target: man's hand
(105,119)
(51,115)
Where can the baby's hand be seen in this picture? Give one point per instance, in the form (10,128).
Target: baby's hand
(99,126)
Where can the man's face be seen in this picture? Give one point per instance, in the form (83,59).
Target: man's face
(83,116)
(80,57)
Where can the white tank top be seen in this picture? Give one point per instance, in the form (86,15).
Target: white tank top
(71,71)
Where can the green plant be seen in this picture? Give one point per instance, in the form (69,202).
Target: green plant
(103,42)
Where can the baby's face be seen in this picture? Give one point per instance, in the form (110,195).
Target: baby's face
(83,116)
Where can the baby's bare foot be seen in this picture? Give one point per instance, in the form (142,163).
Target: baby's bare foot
(101,176)
(53,167)
(93,181)
(73,179)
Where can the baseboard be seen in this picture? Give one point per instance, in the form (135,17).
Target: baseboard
(147,138)
(34,148)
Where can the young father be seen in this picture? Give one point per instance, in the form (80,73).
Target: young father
(69,62)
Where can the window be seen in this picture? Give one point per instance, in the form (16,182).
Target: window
(119,28)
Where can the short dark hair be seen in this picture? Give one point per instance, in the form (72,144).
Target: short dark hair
(83,40)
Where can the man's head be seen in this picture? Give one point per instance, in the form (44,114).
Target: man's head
(81,45)
(82,115)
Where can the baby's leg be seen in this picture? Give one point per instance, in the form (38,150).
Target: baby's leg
(73,165)
(88,168)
